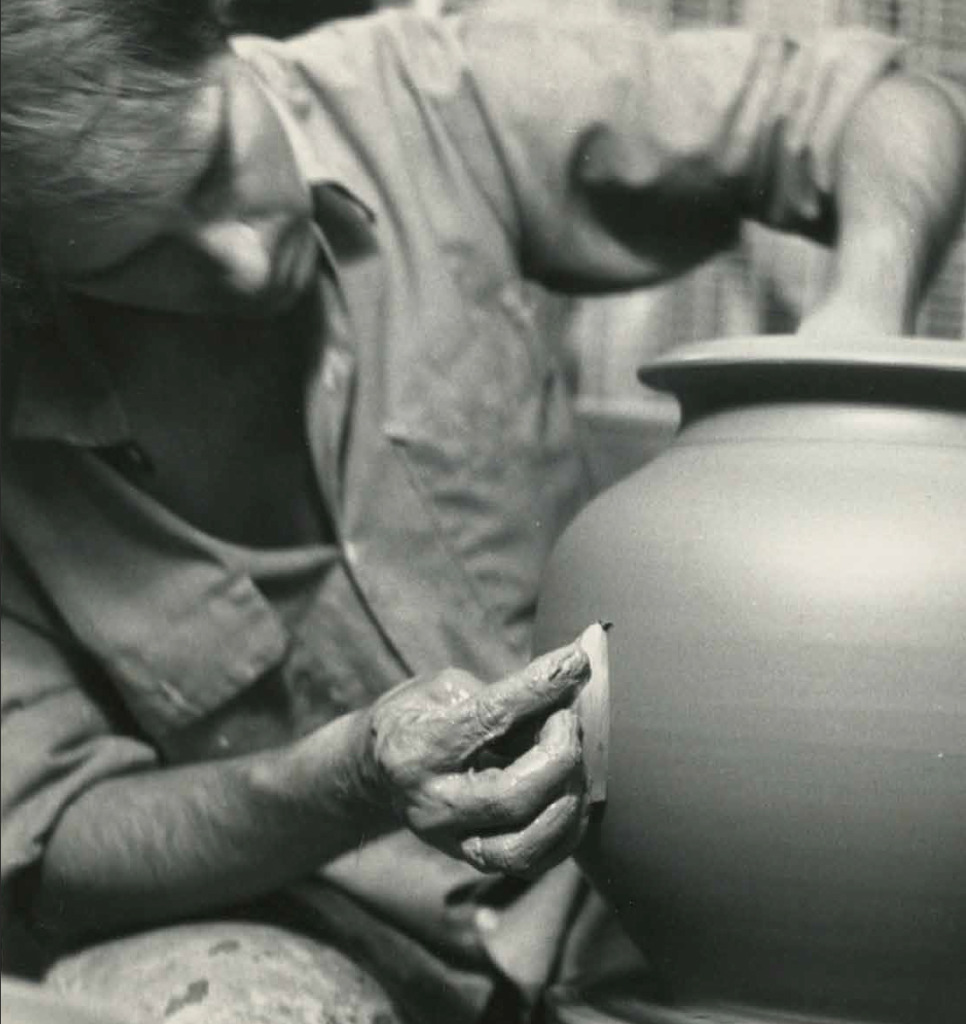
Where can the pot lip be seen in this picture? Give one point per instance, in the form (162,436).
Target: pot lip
(885,352)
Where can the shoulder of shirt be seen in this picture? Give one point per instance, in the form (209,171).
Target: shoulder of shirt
(339,89)
(373,53)
(342,46)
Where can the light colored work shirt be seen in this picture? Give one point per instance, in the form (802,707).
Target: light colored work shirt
(450,161)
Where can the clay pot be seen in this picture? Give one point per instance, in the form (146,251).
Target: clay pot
(785,827)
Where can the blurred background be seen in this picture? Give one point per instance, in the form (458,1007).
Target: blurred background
(763,286)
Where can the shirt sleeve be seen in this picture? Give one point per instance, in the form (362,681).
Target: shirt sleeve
(56,737)
(622,154)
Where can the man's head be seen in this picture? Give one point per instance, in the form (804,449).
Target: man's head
(143,163)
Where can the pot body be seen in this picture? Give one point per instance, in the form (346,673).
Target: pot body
(785,826)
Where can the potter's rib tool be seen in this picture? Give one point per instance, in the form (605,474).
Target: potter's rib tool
(593,708)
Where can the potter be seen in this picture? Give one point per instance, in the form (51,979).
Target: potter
(286,450)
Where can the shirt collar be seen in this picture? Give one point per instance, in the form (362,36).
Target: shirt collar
(63,392)
(322,157)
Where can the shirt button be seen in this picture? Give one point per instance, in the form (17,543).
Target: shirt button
(487,920)
(330,377)
(351,553)
(138,458)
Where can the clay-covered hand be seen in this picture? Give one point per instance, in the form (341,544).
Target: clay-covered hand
(437,752)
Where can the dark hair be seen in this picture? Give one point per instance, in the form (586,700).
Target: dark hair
(94,100)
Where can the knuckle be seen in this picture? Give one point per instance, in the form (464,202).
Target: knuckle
(438,791)
(461,677)
(474,798)
(457,683)
(508,804)
(430,808)
(490,716)
(567,760)
(491,794)
(401,764)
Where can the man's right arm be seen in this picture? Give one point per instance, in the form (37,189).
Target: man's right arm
(171,842)
(99,838)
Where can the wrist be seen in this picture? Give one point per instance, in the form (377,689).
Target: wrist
(877,275)
(900,192)
(327,775)
(365,784)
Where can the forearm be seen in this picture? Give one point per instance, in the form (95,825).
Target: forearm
(899,195)
(177,842)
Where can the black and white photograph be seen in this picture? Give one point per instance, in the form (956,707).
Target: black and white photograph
(483,511)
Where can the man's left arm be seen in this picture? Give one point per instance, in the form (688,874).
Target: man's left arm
(900,189)
(619,155)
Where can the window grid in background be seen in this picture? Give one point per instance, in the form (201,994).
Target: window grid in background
(764,285)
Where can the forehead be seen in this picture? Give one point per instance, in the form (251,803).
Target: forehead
(149,188)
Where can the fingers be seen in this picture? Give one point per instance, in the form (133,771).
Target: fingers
(510,797)
(547,682)
(421,741)
(548,839)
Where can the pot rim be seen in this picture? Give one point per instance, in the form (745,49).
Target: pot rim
(905,351)
(737,370)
